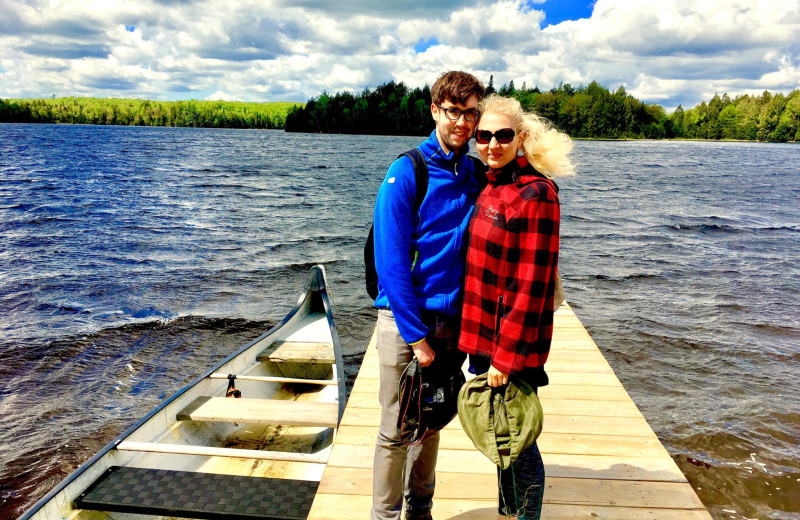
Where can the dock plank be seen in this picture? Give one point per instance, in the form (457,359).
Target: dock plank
(559,490)
(549,442)
(602,459)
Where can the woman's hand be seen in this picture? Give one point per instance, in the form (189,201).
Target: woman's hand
(496,378)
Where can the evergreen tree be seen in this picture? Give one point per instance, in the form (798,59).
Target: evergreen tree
(490,88)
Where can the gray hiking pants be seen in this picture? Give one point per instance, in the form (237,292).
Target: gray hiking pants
(404,476)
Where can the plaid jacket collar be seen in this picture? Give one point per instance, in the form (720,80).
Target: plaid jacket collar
(518,171)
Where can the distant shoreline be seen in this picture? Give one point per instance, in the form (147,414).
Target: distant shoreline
(143,112)
(687,139)
(587,139)
(590,113)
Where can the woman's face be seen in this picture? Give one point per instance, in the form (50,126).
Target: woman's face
(494,153)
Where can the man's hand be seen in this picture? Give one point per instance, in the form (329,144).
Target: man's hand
(496,378)
(424,353)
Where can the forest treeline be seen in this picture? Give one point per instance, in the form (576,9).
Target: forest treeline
(138,112)
(591,111)
(584,112)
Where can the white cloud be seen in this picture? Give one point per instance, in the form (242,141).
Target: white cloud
(678,51)
(222,96)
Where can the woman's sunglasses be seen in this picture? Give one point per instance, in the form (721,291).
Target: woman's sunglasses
(503,136)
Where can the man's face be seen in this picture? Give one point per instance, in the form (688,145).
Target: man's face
(453,134)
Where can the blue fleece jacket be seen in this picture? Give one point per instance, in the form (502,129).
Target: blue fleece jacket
(438,231)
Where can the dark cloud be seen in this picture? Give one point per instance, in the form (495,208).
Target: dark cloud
(502,41)
(227,53)
(793,53)
(255,40)
(71,29)
(408,8)
(719,68)
(10,23)
(693,47)
(493,41)
(66,51)
(282,92)
(183,82)
(492,62)
(180,88)
(112,84)
(61,68)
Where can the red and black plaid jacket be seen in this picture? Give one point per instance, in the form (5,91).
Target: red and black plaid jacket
(511,269)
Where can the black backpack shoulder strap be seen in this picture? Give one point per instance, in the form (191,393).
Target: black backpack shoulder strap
(420,175)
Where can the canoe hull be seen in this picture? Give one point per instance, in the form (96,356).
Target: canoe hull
(297,451)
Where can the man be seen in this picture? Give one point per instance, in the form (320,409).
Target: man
(419,299)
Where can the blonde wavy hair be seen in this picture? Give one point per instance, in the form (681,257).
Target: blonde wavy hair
(546,148)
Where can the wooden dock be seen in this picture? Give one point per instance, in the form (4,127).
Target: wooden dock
(602,459)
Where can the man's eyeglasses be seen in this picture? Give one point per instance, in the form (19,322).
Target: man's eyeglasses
(453,113)
(503,136)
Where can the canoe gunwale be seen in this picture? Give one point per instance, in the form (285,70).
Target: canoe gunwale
(315,285)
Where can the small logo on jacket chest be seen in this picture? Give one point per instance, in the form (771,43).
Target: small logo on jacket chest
(491,212)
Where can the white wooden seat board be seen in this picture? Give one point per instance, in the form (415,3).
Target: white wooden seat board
(261,411)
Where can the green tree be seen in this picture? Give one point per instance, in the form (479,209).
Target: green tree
(769,116)
(788,128)
(730,119)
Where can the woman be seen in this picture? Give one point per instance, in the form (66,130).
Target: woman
(507,317)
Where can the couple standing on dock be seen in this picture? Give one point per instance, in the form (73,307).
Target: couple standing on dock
(497,306)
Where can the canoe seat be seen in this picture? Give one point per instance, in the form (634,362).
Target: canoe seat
(321,457)
(198,495)
(277,379)
(261,411)
(299,352)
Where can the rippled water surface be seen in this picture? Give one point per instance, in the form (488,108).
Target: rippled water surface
(132,258)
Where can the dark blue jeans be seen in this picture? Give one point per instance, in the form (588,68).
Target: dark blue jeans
(521,486)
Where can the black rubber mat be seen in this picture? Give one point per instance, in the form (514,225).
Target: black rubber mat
(198,495)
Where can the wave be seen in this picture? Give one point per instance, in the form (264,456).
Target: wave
(722,228)
(628,278)
(715,224)
(302,243)
(123,338)
(705,228)
(770,329)
(652,166)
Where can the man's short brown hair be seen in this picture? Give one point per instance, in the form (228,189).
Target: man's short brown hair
(457,87)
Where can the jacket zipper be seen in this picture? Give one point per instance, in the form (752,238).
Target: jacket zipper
(499,315)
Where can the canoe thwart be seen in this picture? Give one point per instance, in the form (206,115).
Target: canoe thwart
(277,379)
(261,411)
(299,352)
(198,495)
(320,457)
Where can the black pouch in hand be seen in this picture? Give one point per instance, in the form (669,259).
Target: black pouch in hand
(428,400)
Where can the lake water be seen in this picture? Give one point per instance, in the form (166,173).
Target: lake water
(132,258)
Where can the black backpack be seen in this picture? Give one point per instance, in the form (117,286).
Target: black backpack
(421,180)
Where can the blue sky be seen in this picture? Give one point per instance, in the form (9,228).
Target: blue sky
(670,52)
(557,11)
